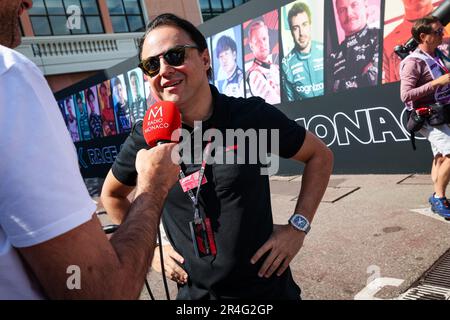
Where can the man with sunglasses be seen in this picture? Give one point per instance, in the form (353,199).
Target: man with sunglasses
(414,10)
(228,246)
(425,81)
(51,243)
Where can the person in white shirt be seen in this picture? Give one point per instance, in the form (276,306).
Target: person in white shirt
(47,226)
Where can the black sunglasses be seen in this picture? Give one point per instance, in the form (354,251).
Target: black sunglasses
(438,32)
(174,57)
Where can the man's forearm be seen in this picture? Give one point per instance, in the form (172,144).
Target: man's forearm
(135,240)
(116,208)
(115,268)
(314,183)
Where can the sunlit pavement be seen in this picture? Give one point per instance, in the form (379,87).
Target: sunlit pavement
(372,237)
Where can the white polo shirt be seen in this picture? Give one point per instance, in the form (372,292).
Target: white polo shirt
(42,194)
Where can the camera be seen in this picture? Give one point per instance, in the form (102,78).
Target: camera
(404,50)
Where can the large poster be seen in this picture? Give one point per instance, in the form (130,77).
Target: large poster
(107,109)
(228,70)
(318,61)
(120,103)
(71,116)
(82,117)
(137,101)
(262,64)
(399,17)
(95,121)
(353,55)
(302,68)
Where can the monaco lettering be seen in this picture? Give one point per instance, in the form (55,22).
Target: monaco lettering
(365,126)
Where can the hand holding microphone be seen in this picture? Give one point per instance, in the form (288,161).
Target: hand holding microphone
(161,123)
(159,165)
(155,167)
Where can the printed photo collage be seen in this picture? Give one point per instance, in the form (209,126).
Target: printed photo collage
(286,55)
(305,49)
(108,108)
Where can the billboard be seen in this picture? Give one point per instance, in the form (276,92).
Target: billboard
(302,34)
(227,64)
(324,63)
(399,17)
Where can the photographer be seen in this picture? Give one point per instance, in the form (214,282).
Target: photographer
(425,86)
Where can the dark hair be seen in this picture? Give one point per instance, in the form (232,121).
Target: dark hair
(423,26)
(134,74)
(296,9)
(89,93)
(169,19)
(225,43)
(116,81)
(78,97)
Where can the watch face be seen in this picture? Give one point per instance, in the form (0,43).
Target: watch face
(302,224)
(299,222)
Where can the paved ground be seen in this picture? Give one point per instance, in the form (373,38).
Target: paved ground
(367,227)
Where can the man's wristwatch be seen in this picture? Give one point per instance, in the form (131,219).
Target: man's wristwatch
(300,223)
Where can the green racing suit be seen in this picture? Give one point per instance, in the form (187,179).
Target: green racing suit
(302,73)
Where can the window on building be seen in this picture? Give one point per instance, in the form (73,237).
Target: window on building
(126,15)
(65,17)
(212,8)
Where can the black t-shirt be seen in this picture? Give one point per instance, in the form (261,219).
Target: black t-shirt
(236,199)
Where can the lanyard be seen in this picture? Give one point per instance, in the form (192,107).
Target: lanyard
(439,62)
(193,198)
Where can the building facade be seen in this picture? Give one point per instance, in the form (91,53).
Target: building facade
(70,40)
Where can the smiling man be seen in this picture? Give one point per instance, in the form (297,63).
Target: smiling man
(302,68)
(253,255)
(355,62)
(263,77)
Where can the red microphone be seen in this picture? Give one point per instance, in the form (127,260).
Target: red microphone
(160,121)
